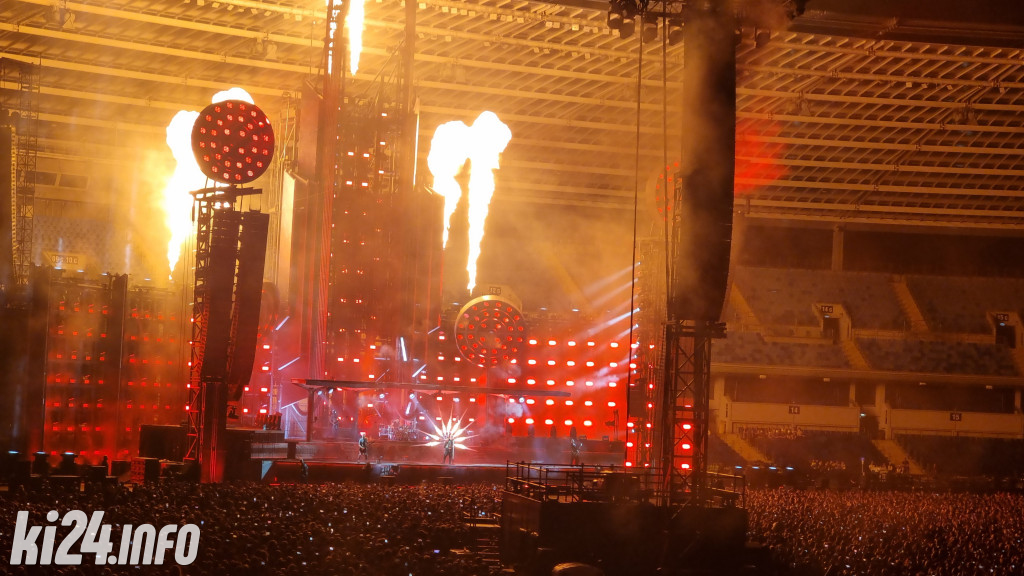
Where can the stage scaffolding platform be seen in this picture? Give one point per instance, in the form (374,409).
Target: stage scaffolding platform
(610,483)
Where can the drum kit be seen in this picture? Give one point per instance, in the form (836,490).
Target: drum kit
(399,430)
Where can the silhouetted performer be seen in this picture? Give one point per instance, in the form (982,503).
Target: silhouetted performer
(303,471)
(364,447)
(449,451)
(575,445)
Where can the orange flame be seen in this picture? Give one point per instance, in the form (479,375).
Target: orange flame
(177,197)
(481,144)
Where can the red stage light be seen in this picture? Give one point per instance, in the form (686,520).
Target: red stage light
(233,142)
(529,420)
(588,423)
(549,402)
(568,422)
(549,421)
(511,420)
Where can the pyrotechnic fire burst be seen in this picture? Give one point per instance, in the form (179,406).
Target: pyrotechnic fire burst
(481,144)
(177,200)
(451,429)
(354,22)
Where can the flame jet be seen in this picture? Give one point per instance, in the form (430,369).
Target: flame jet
(449,149)
(481,145)
(490,137)
(177,197)
(354,22)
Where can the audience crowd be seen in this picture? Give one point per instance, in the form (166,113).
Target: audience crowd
(778,432)
(254,529)
(889,533)
(378,529)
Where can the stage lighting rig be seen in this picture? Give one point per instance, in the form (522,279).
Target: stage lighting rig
(649,32)
(233,142)
(622,16)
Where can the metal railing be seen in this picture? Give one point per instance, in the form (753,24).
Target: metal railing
(587,483)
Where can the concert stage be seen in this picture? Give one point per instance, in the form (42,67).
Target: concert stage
(411,462)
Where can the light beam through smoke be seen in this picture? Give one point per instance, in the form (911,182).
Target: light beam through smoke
(451,429)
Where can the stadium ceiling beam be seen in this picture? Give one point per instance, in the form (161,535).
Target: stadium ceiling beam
(266,91)
(595,6)
(882,167)
(834,75)
(148,18)
(498,39)
(154,49)
(879,188)
(1001,224)
(139,75)
(582,147)
(561,122)
(842,98)
(862,122)
(318,44)
(850,208)
(868,49)
(226,30)
(102,123)
(889,146)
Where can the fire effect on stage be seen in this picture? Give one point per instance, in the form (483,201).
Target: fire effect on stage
(177,200)
(481,145)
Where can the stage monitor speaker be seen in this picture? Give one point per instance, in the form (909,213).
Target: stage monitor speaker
(702,224)
(220,282)
(252,253)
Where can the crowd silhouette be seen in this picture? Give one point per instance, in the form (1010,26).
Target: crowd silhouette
(889,533)
(378,529)
(253,529)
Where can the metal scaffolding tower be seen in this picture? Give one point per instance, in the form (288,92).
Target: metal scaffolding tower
(21,105)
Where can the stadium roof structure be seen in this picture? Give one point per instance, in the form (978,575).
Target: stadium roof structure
(853,111)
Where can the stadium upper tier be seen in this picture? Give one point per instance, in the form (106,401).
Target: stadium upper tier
(819,319)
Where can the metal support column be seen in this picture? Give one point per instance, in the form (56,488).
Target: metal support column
(685,410)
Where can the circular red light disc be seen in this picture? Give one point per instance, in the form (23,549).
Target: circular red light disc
(240,161)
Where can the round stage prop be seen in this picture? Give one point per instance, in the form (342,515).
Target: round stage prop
(489,330)
(233,142)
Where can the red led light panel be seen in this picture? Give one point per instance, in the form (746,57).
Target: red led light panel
(233,142)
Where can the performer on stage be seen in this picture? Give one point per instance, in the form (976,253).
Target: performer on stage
(575,445)
(364,447)
(449,451)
